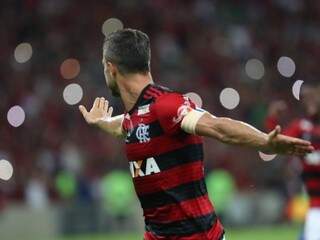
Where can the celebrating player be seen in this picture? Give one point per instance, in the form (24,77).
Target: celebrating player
(162,131)
(307,128)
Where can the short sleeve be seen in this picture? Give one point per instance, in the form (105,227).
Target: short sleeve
(171,109)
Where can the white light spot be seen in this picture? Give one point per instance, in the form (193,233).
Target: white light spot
(306,125)
(72,94)
(70,68)
(255,69)
(286,67)
(194,97)
(6,170)
(23,52)
(296,89)
(267,157)
(111,25)
(16,116)
(229,98)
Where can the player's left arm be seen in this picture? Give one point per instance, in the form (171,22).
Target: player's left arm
(236,132)
(100,115)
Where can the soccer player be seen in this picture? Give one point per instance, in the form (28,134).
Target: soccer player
(307,128)
(162,131)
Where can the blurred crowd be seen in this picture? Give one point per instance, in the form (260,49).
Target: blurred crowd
(198,46)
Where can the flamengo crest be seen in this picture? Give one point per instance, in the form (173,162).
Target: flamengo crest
(142,133)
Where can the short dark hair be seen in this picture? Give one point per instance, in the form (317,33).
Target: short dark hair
(129,49)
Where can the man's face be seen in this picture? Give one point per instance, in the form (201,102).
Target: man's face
(110,79)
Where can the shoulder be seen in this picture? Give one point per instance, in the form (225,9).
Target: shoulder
(172,106)
(169,101)
(169,96)
(165,97)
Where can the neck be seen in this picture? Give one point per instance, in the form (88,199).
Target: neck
(131,87)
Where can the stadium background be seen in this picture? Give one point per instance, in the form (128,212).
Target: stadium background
(71,180)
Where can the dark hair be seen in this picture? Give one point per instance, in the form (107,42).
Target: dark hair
(129,49)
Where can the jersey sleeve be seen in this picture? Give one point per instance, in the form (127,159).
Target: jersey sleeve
(171,109)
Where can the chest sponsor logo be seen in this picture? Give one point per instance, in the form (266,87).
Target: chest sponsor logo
(143,167)
(142,133)
(313,158)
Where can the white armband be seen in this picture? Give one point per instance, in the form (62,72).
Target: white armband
(191,119)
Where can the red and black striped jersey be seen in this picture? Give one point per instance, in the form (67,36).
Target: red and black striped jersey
(307,129)
(166,165)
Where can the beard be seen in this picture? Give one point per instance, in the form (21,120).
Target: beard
(113,86)
(115,92)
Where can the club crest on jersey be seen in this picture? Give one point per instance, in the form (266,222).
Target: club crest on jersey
(142,133)
(143,168)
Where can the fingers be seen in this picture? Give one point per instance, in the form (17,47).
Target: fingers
(294,141)
(274,132)
(307,149)
(84,111)
(301,142)
(301,150)
(106,105)
(278,129)
(96,103)
(102,102)
(110,111)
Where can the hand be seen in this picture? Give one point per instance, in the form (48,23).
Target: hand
(281,144)
(100,111)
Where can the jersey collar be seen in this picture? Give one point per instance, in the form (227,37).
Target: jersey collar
(141,99)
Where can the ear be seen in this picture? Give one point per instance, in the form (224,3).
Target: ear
(112,68)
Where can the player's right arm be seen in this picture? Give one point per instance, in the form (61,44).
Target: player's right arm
(101,116)
(236,132)
(176,112)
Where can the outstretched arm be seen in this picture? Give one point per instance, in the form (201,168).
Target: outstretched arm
(101,116)
(235,132)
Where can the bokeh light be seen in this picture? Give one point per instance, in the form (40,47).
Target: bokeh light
(267,157)
(229,98)
(6,170)
(286,66)
(16,116)
(70,68)
(111,25)
(23,52)
(72,94)
(195,98)
(255,69)
(296,88)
